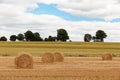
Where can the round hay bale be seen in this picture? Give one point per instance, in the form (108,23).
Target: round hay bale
(58,57)
(48,57)
(24,61)
(107,56)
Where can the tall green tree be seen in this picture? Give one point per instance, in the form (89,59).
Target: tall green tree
(87,37)
(29,36)
(3,38)
(13,38)
(100,34)
(20,37)
(62,35)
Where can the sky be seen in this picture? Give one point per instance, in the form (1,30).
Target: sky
(77,17)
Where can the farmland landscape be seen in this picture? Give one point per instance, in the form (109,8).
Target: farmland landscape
(59,40)
(82,61)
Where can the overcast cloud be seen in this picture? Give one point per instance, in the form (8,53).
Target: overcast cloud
(15,19)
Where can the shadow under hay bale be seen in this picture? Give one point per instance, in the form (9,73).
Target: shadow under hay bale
(48,57)
(24,61)
(58,57)
(107,56)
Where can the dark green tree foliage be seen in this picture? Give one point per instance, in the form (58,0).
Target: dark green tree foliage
(87,37)
(13,38)
(62,35)
(50,38)
(29,36)
(37,37)
(3,38)
(46,39)
(100,34)
(20,37)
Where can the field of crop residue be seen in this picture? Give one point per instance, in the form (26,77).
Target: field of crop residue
(73,68)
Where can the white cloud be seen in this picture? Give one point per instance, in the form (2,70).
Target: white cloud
(14,19)
(106,9)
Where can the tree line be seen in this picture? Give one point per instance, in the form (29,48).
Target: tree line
(62,35)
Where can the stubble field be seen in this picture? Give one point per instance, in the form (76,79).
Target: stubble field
(73,68)
(82,61)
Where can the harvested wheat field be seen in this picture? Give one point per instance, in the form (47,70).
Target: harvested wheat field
(73,68)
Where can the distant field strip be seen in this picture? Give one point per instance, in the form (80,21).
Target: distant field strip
(68,48)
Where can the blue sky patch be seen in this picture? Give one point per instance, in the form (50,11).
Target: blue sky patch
(51,9)
(116,20)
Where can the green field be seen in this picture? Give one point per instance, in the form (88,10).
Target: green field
(67,48)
